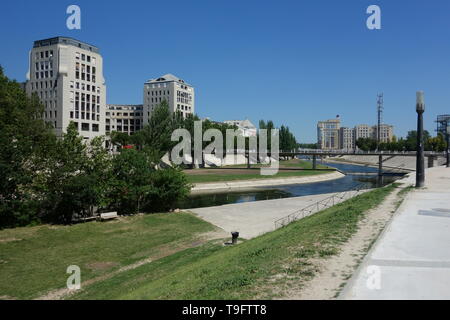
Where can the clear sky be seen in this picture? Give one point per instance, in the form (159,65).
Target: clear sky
(295,62)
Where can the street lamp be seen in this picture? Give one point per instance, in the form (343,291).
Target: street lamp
(420,170)
(447,131)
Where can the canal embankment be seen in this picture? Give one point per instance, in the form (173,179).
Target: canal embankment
(256,183)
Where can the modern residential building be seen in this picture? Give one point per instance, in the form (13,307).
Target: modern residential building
(123,118)
(363,131)
(328,134)
(386,133)
(67,75)
(347,138)
(179,95)
(245,127)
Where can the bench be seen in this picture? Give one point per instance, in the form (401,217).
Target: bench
(107,216)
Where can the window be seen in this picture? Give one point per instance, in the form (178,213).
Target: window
(85,126)
(83,57)
(77,55)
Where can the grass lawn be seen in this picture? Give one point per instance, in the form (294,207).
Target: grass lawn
(258,268)
(33,260)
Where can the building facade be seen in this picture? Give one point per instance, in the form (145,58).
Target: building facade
(386,133)
(328,134)
(124,118)
(347,138)
(363,131)
(179,95)
(245,127)
(67,76)
(442,122)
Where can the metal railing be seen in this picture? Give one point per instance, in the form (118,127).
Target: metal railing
(326,203)
(318,206)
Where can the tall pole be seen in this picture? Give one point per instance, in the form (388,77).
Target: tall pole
(420,170)
(380,157)
(447,131)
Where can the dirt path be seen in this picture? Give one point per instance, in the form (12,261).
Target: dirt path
(64,293)
(335,271)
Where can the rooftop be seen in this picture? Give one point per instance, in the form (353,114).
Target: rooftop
(167,78)
(65,41)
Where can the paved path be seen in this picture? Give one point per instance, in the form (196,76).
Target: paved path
(252,219)
(411,259)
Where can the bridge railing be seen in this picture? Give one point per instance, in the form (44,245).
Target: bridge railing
(361,152)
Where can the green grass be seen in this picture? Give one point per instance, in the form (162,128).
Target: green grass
(257,268)
(33,260)
(220,176)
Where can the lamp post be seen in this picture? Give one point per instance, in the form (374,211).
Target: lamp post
(448,144)
(420,170)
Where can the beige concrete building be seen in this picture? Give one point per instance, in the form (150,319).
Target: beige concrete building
(346,138)
(328,134)
(363,131)
(124,118)
(179,95)
(386,132)
(67,75)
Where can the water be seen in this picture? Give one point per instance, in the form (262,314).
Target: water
(297,190)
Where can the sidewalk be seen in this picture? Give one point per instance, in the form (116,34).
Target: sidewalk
(411,259)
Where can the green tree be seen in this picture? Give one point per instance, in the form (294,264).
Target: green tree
(76,178)
(25,140)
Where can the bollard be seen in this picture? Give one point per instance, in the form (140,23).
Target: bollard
(235,236)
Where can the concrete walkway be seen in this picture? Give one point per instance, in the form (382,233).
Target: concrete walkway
(411,259)
(252,219)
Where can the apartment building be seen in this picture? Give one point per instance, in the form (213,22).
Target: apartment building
(124,118)
(67,76)
(179,95)
(363,131)
(386,133)
(328,134)
(347,138)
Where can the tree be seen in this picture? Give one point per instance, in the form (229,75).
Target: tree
(75,180)
(155,137)
(366,144)
(132,173)
(120,139)
(24,143)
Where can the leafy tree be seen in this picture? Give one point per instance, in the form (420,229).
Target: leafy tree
(120,139)
(24,142)
(75,180)
(132,171)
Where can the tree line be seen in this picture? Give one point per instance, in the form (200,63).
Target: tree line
(409,143)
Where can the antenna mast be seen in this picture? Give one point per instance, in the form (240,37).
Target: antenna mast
(380,108)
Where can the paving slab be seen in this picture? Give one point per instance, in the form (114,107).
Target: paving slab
(411,259)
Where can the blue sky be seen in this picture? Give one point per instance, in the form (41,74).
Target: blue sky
(295,62)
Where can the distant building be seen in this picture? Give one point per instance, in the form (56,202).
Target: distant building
(347,138)
(67,76)
(124,118)
(328,134)
(363,131)
(179,95)
(386,133)
(245,127)
(442,122)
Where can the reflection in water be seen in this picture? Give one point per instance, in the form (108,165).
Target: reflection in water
(278,192)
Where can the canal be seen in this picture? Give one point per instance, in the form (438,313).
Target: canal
(287,191)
